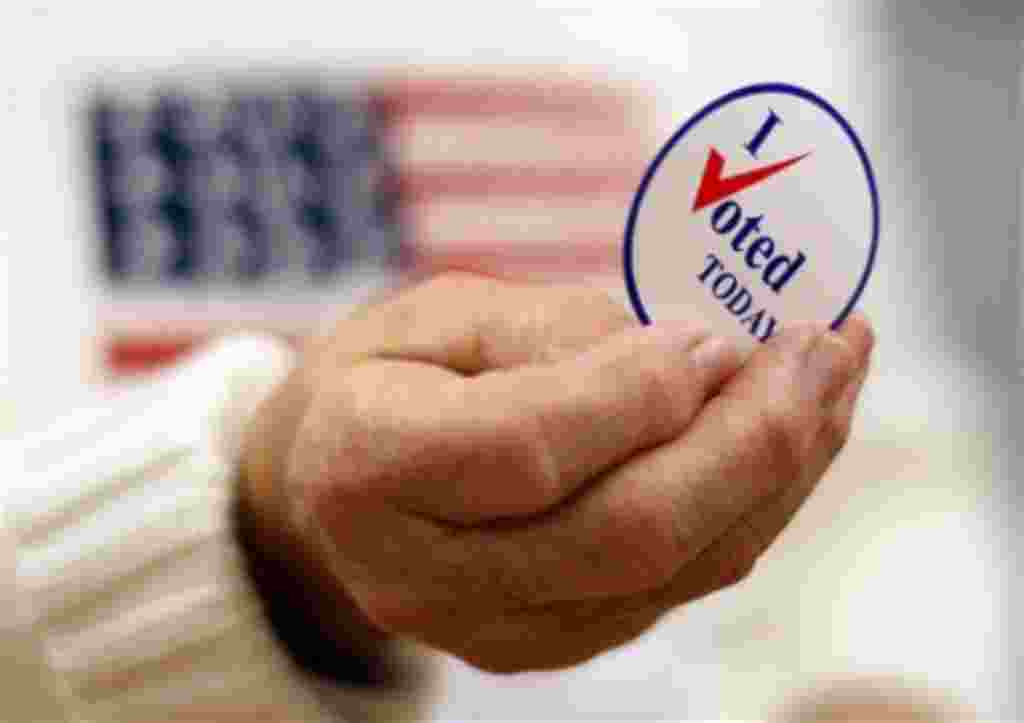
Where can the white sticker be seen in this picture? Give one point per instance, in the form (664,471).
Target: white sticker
(760,211)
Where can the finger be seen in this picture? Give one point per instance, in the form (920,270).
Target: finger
(636,529)
(738,550)
(549,642)
(510,443)
(732,557)
(648,518)
(757,530)
(473,323)
(512,641)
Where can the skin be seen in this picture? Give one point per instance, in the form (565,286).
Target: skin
(524,476)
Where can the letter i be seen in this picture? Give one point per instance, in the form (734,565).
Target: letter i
(756,142)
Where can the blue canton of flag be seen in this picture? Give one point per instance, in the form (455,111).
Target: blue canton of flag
(290,185)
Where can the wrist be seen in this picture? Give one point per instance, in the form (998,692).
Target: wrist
(308,607)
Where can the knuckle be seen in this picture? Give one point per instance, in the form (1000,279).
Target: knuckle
(457,279)
(352,424)
(660,395)
(597,302)
(321,473)
(777,442)
(603,303)
(355,441)
(510,448)
(538,456)
(407,308)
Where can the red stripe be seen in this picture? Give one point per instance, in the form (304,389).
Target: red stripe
(134,356)
(418,185)
(461,96)
(130,355)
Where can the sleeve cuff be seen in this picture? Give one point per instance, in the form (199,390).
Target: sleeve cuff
(126,553)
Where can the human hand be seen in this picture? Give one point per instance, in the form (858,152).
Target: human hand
(524,476)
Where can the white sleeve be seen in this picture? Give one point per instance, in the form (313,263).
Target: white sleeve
(132,602)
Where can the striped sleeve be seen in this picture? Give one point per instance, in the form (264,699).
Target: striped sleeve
(132,586)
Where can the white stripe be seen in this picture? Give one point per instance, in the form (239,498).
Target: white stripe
(430,142)
(175,512)
(542,220)
(154,630)
(39,502)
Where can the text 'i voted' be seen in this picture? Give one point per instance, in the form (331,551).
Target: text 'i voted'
(760,211)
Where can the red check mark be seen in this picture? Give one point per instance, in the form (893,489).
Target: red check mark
(714,188)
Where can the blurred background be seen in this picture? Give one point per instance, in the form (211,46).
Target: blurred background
(175,172)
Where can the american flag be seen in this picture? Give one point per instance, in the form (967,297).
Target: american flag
(247,202)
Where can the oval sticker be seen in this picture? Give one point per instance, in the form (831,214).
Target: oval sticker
(760,211)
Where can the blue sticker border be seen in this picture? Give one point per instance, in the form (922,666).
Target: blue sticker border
(756,89)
